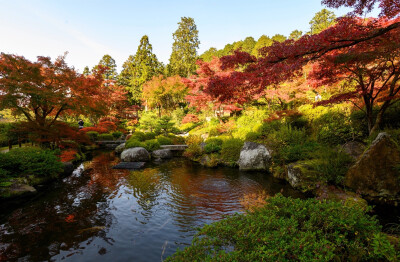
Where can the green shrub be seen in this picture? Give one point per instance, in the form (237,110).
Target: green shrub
(269,127)
(189,126)
(151,145)
(27,161)
(133,143)
(252,136)
(177,140)
(193,152)
(331,164)
(137,135)
(287,229)
(215,140)
(103,137)
(288,135)
(212,148)
(230,151)
(149,135)
(193,140)
(163,140)
(294,152)
(117,134)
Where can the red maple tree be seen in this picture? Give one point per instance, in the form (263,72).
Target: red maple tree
(43,91)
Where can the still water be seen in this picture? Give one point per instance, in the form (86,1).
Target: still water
(103,214)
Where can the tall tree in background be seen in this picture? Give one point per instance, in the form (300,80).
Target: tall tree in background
(109,68)
(295,35)
(184,49)
(139,69)
(263,41)
(321,21)
(86,71)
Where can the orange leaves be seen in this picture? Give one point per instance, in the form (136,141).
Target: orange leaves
(68,155)
(70,218)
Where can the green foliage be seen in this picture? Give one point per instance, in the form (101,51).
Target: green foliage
(134,143)
(253,136)
(230,151)
(288,135)
(149,135)
(27,161)
(331,164)
(189,126)
(140,68)
(162,140)
(93,135)
(151,145)
(321,21)
(287,229)
(250,121)
(165,125)
(213,145)
(108,63)
(103,137)
(184,49)
(116,134)
(137,135)
(148,121)
(295,152)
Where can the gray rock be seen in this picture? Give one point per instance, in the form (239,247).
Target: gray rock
(120,148)
(254,156)
(130,165)
(374,174)
(136,154)
(354,149)
(162,153)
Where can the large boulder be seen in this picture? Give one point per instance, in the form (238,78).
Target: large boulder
(135,154)
(120,148)
(347,198)
(162,154)
(254,156)
(374,174)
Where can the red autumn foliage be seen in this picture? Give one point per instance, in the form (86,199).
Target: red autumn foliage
(70,218)
(370,72)
(68,155)
(108,125)
(94,129)
(190,118)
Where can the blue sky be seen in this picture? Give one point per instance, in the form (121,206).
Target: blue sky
(88,29)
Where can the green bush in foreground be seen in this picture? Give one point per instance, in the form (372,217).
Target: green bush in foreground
(151,145)
(287,229)
(26,162)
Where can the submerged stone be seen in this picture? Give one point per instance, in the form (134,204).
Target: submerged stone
(130,165)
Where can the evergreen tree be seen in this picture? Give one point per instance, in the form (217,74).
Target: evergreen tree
(278,38)
(321,21)
(208,55)
(86,71)
(184,49)
(139,69)
(111,72)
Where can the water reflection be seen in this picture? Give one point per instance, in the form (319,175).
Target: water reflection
(119,215)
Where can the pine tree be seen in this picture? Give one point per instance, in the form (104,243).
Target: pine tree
(321,21)
(139,69)
(184,49)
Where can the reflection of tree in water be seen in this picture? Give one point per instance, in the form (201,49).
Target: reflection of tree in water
(146,187)
(101,173)
(69,214)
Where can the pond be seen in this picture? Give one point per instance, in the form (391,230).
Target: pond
(103,214)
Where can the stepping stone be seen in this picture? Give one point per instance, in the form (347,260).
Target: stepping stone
(129,165)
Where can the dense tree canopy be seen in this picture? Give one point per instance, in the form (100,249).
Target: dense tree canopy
(44,90)
(184,49)
(321,21)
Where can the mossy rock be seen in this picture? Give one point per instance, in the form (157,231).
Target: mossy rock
(302,177)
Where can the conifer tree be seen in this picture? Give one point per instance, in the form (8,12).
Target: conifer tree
(184,49)
(139,69)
